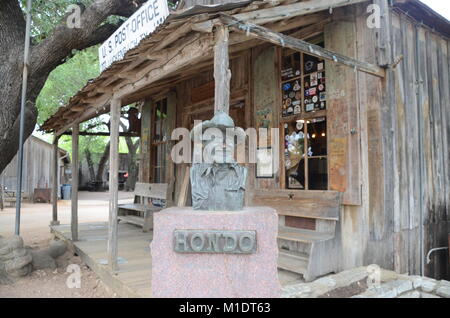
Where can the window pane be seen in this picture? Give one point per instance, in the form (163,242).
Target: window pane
(294,145)
(311,64)
(317,174)
(292,98)
(291,65)
(317,133)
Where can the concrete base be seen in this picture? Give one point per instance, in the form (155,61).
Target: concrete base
(204,275)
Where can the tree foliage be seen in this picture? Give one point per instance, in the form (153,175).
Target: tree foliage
(65,81)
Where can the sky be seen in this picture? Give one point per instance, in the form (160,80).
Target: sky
(440,6)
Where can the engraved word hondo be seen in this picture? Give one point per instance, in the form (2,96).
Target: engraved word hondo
(214,241)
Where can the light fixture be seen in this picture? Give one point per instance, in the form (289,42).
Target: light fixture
(313,135)
(323,134)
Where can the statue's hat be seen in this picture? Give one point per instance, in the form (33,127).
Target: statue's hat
(221,121)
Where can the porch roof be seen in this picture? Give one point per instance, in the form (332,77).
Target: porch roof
(93,99)
(183,45)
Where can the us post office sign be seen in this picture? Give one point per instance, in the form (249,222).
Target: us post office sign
(214,241)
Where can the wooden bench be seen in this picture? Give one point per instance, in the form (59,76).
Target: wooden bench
(148,199)
(9,197)
(307,229)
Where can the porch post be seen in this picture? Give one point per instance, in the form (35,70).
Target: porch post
(113,183)
(74,219)
(55,169)
(222,73)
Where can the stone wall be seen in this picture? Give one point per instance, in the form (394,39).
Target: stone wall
(369,282)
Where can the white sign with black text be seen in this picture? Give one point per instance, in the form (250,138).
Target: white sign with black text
(131,32)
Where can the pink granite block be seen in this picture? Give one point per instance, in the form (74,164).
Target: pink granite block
(215,275)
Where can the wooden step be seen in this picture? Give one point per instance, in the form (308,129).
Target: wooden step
(136,220)
(292,261)
(301,235)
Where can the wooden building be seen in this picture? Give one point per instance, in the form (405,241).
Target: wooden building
(364,96)
(37,173)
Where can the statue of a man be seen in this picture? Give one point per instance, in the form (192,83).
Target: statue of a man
(219,183)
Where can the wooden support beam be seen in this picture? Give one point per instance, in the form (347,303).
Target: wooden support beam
(91,112)
(182,197)
(222,73)
(188,54)
(265,34)
(113,184)
(2,205)
(279,13)
(55,183)
(87,133)
(75,164)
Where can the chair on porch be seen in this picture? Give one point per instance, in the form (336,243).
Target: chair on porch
(148,199)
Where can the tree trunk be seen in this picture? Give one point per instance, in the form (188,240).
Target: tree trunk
(44,57)
(133,170)
(88,155)
(102,163)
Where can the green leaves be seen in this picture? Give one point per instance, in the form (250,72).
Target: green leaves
(65,81)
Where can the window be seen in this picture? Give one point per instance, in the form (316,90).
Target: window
(159,142)
(303,112)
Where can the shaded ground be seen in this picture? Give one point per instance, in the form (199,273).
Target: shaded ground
(35,231)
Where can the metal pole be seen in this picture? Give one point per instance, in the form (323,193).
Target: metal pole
(26,57)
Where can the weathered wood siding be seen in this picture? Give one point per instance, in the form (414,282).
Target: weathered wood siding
(399,122)
(37,166)
(421,111)
(405,145)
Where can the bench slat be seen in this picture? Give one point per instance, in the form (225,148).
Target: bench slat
(301,235)
(151,190)
(132,220)
(139,207)
(319,205)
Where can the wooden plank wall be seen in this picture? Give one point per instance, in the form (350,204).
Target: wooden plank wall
(343,113)
(374,217)
(396,185)
(265,99)
(37,165)
(426,76)
(385,227)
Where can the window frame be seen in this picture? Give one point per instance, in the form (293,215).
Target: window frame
(155,144)
(302,116)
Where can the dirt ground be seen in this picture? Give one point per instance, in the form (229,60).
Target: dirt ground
(35,220)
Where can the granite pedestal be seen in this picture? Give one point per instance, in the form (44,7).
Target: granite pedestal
(230,268)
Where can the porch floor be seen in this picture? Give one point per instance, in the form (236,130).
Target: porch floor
(133,278)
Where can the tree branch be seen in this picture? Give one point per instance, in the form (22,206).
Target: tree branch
(54,49)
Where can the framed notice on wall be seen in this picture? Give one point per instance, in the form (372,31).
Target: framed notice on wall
(264,163)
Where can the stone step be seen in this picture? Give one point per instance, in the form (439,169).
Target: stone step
(302,235)
(293,262)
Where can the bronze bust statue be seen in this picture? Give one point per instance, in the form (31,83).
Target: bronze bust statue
(219,183)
